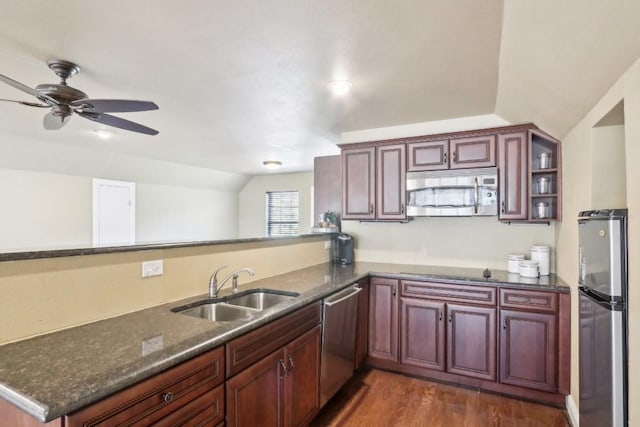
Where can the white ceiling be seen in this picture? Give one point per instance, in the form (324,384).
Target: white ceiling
(239,82)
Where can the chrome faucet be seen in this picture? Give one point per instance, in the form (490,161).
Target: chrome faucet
(214,287)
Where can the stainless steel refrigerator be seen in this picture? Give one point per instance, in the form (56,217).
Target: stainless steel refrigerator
(603,317)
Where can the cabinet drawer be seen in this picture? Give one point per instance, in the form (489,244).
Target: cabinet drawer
(448,292)
(207,409)
(249,348)
(529,300)
(155,398)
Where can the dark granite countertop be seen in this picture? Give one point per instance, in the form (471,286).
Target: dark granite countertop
(55,374)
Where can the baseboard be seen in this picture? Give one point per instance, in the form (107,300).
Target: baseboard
(572,410)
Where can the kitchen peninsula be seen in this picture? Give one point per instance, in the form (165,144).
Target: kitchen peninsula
(56,374)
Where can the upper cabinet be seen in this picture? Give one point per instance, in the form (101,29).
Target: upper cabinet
(458,153)
(374,183)
(358,183)
(528,162)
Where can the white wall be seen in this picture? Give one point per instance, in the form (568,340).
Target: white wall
(480,242)
(252,201)
(165,212)
(608,170)
(43,210)
(577,176)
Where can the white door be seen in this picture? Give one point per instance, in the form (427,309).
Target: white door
(114,212)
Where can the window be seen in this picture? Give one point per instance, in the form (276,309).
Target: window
(283,212)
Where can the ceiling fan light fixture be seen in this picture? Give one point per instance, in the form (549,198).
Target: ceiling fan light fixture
(103,134)
(272,164)
(340,87)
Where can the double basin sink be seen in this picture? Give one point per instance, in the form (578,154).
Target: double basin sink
(240,306)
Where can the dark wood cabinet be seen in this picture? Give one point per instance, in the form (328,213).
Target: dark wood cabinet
(256,395)
(473,152)
(183,393)
(374,183)
(359,183)
(383,318)
(281,388)
(428,155)
(512,176)
(422,333)
(391,182)
(302,385)
(528,349)
(471,341)
(362,331)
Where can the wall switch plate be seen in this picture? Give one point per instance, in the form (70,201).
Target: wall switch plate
(327,244)
(152,268)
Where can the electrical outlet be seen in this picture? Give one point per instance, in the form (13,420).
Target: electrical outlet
(152,268)
(327,244)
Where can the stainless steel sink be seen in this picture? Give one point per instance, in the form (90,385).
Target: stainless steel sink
(261,299)
(217,312)
(234,307)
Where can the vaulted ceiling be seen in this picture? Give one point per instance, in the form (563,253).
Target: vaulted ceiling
(239,82)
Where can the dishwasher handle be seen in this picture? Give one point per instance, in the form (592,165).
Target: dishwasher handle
(355,292)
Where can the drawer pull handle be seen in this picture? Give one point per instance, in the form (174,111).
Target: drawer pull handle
(444,158)
(167,397)
(291,364)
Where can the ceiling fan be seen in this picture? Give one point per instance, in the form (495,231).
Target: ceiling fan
(65,100)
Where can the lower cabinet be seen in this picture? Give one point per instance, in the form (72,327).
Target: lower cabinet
(511,341)
(383,318)
(422,333)
(281,388)
(188,394)
(362,328)
(528,349)
(471,341)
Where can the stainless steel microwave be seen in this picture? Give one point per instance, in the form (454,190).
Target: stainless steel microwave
(459,192)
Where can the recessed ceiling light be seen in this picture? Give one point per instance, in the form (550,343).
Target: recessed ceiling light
(272,164)
(103,133)
(340,87)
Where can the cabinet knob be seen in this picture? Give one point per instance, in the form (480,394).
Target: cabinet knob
(455,156)
(440,318)
(444,158)
(371,209)
(167,397)
(402,208)
(504,325)
(502,203)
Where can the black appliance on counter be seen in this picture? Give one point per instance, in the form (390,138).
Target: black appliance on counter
(342,248)
(603,290)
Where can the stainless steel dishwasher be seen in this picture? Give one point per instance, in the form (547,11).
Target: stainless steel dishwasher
(339,316)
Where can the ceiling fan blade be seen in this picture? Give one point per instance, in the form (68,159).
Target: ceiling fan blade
(54,121)
(113,105)
(117,122)
(28,90)
(30,104)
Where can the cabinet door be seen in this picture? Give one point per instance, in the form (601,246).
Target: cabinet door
(358,183)
(391,182)
(512,170)
(528,351)
(362,331)
(473,152)
(256,395)
(428,156)
(422,333)
(303,378)
(383,319)
(471,341)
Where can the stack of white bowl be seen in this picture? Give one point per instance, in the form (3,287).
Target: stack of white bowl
(537,266)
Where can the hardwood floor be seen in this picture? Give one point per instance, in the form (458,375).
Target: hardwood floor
(378,398)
